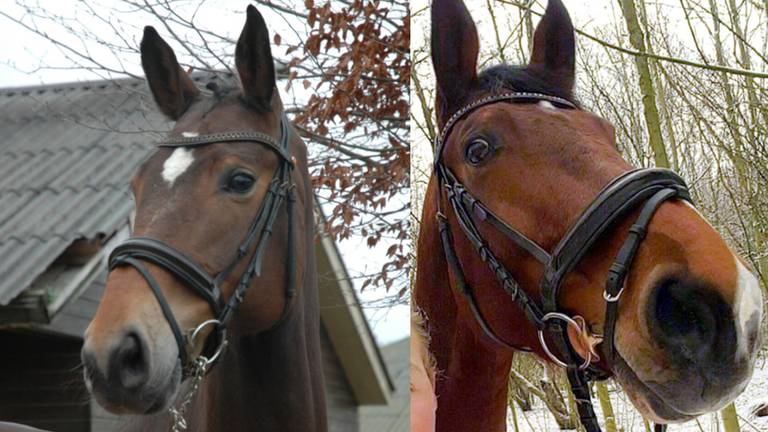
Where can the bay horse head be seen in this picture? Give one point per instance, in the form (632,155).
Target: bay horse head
(521,170)
(223,209)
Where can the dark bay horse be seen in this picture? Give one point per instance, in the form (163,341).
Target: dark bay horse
(231,172)
(519,161)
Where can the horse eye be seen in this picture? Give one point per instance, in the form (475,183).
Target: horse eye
(239,182)
(477,151)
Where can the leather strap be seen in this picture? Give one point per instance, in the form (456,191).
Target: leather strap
(513,97)
(164,306)
(583,398)
(620,196)
(221,137)
(454,267)
(504,277)
(178,264)
(483,213)
(614,284)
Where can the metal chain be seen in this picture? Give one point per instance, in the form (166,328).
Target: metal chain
(179,421)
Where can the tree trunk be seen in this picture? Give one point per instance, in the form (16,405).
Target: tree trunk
(650,109)
(559,412)
(605,403)
(730,419)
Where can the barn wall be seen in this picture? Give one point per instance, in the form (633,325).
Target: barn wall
(45,388)
(75,316)
(342,407)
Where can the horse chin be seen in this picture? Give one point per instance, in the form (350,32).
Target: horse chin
(167,394)
(646,401)
(649,397)
(155,397)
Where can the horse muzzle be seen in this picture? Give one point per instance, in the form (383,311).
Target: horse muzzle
(704,349)
(127,377)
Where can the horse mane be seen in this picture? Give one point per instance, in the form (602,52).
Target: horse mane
(500,78)
(220,87)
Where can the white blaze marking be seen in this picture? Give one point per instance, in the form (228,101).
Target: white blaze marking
(748,304)
(547,106)
(176,164)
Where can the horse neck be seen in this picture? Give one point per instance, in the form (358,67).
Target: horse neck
(273,380)
(471,371)
(268,382)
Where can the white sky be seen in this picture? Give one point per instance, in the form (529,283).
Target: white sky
(20,63)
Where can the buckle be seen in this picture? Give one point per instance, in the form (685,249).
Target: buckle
(613,298)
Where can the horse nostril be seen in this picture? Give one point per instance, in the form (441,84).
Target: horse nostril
(692,321)
(130,363)
(678,316)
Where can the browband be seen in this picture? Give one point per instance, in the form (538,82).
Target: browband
(236,136)
(504,97)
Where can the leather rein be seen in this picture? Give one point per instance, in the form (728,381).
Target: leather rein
(646,188)
(135,251)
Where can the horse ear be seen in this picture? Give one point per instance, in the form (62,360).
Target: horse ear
(253,58)
(554,47)
(171,87)
(455,48)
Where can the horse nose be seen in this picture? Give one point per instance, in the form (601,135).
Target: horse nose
(129,362)
(694,323)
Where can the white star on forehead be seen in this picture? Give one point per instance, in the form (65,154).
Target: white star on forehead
(176,164)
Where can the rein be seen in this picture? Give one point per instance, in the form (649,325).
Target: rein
(135,251)
(649,188)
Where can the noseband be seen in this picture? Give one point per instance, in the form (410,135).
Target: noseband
(135,251)
(645,188)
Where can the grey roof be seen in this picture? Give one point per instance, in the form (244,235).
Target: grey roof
(394,417)
(66,155)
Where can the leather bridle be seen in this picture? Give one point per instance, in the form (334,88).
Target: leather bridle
(135,251)
(648,188)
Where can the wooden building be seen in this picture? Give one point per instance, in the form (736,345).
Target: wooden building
(66,155)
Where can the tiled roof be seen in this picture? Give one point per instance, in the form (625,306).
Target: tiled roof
(66,155)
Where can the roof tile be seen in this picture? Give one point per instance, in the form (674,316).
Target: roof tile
(66,153)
